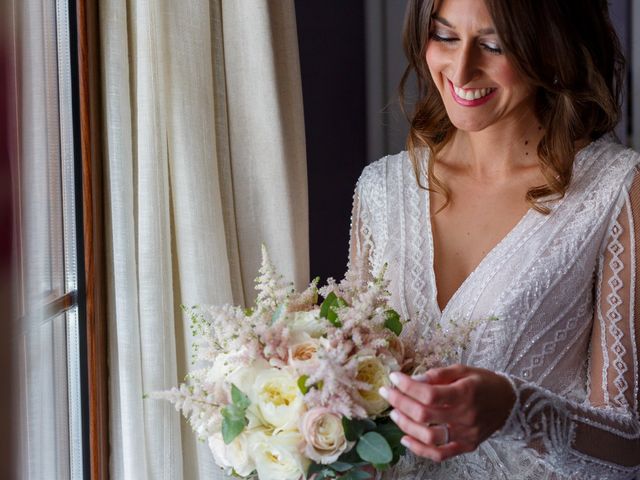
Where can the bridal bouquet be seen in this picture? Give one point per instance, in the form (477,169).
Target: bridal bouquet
(288,389)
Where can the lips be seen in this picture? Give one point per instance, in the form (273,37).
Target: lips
(471,97)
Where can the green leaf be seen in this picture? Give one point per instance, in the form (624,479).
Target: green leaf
(232,426)
(350,456)
(248,311)
(233,415)
(326,473)
(239,399)
(326,304)
(353,429)
(373,448)
(391,432)
(392,321)
(326,309)
(315,468)
(302,384)
(356,475)
(341,466)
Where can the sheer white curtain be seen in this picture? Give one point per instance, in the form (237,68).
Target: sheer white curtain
(204,161)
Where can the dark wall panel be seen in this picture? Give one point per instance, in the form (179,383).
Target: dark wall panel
(332,61)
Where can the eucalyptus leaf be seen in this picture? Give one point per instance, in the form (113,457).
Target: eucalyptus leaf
(231,428)
(356,475)
(239,399)
(353,429)
(391,432)
(372,447)
(341,466)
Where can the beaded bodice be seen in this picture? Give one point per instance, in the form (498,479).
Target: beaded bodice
(564,289)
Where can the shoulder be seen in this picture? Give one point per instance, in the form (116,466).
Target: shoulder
(376,175)
(606,165)
(607,151)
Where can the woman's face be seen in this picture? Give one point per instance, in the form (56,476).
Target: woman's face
(479,86)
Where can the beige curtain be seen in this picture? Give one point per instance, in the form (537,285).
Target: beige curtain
(204,161)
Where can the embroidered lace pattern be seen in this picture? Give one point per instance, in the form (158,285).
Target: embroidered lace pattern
(564,289)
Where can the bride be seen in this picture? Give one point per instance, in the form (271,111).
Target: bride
(513,201)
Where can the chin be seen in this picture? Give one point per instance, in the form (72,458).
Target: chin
(468,125)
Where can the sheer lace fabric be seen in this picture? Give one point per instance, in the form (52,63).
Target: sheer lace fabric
(564,289)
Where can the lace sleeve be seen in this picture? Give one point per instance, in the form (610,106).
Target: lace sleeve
(368,222)
(600,438)
(360,237)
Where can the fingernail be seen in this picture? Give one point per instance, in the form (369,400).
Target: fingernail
(384,393)
(404,442)
(394,416)
(422,377)
(395,378)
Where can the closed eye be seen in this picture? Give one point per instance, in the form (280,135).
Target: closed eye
(441,38)
(493,49)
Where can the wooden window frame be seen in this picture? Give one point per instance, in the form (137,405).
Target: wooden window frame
(93,238)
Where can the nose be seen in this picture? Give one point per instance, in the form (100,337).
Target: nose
(465,66)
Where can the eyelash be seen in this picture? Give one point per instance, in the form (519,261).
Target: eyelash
(491,50)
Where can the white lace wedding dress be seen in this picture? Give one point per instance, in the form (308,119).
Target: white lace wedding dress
(564,289)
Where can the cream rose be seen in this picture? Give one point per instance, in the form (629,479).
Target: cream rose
(303,352)
(277,398)
(372,371)
(236,455)
(279,457)
(324,434)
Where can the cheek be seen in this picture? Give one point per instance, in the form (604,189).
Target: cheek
(507,76)
(435,62)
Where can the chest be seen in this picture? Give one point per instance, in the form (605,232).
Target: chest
(472,225)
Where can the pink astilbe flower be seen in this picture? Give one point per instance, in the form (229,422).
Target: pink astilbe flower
(305,300)
(273,291)
(200,407)
(336,375)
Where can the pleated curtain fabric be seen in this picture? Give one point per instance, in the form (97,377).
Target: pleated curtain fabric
(204,161)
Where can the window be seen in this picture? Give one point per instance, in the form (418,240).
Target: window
(49,330)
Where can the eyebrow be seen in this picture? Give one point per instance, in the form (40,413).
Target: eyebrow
(447,23)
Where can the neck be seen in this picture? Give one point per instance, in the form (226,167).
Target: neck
(498,151)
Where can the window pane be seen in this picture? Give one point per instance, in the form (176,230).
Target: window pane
(75,399)
(40,167)
(44,401)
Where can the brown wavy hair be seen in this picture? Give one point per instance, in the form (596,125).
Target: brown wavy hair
(566,49)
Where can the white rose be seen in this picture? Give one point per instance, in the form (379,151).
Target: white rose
(308,322)
(279,457)
(277,398)
(324,434)
(236,455)
(244,377)
(372,371)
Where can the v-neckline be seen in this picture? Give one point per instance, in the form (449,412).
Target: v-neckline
(432,270)
(579,155)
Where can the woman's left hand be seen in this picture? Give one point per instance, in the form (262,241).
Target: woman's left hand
(449,410)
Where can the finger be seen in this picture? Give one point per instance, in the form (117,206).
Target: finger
(408,405)
(432,395)
(417,411)
(429,435)
(446,375)
(437,454)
